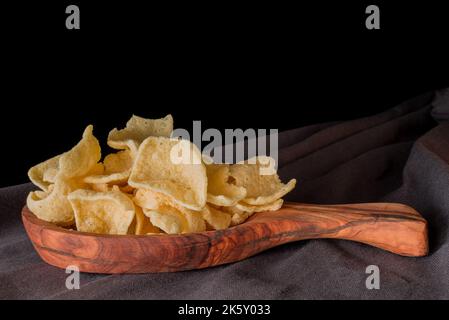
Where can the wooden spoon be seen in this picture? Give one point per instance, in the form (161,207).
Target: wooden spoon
(393,227)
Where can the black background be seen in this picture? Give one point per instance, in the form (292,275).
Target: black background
(258,65)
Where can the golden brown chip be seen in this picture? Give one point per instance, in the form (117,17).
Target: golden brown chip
(117,167)
(61,175)
(104,187)
(138,129)
(221,190)
(244,207)
(260,188)
(242,211)
(53,206)
(110,212)
(152,200)
(185,222)
(81,159)
(169,222)
(127,189)
(157,201)
(195,222)
(50,175)
(239,218)
(44,174)
(101,187)
(216,219)
(77,162)
(282,190)
(157,167)
(143,224)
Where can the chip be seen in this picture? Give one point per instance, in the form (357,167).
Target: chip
(221,190)
(242,211)
(244,207)
(117,167)
(195,222)
(153,201)
(158,168)
(82,159)
(138,129)
(173,221)
(44,174)
(104,187)
(143,223)
(132,226)
(79,161)
(216,219)
(61,175)
(101,187)
(260,188)
(118,162)
(169,222)
(239,218)
(109,212)
(53,206)
(127,189)
(266,199)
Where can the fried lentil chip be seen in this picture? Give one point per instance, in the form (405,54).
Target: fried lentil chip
(117,167)
(260,180)
(110,212)
(137,130)
(173,167)
(221,188)
(61,175)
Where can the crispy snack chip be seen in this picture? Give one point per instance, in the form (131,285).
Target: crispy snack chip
(44,174)
(78,161)
(169,222)
(138,129)
(242,211)
(260,188)
(216,219)
(53,206)
(157,168)
(282,190)
(109,212)
(153,201)
(104,187)
(221,189)
(83,158)
(117,167)
(143,223)
(61,175)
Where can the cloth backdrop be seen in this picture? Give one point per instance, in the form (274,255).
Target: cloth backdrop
(401,155)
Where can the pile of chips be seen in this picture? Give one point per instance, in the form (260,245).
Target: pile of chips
(140,189)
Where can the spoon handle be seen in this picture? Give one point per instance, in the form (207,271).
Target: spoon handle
(390,226)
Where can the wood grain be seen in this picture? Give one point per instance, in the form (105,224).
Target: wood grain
(393,227)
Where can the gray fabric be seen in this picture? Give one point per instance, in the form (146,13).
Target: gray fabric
(401,155)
